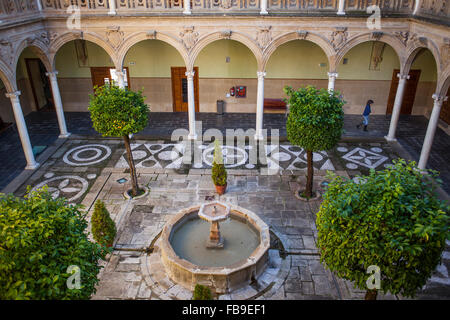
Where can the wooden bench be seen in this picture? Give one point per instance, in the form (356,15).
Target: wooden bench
(274,104)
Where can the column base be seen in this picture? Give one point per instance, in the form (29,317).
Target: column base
(187,12)
(192,137)
(63,136)
(112,13)
(390,139)
(32,166)
(341,13)
(264,12)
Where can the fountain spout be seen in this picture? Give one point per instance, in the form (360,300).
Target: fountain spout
(214,213)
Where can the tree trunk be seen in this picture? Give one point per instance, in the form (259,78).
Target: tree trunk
(134,183)
(310,177)
(371,294)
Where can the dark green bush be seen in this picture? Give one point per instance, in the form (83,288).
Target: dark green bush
(103,227)
(393,220)
(202,292)
(40,237)
(218,172)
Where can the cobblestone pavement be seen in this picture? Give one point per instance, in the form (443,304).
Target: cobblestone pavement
(43,130)
(87,170)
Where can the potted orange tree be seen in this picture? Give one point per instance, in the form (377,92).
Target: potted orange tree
(219,173)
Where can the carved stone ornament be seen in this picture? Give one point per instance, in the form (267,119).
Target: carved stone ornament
(151,34)
(6,51)
(114,36)
(445,52)
(226,34)
(416,41)
(302,34)
(376,35)
(263,36)
(339,37)
(403,36)
(189,37)
(226,4)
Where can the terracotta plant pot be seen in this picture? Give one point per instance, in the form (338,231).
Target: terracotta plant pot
(221,189)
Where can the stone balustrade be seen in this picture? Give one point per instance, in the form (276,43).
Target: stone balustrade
(18,9)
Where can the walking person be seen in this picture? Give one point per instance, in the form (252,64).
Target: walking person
(366,114)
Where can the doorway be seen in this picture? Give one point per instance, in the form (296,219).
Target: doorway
(99,74)
(409,95)
(180,90)
(40,85)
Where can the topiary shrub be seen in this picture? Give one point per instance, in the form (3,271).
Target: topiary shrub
(218,172)
(117,112)
(392,219)
(40,238)
(314,123)
(202,292)
(103,227)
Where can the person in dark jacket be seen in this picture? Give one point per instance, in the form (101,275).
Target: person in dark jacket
(366,114)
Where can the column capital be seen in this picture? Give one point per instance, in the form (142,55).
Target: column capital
(261,74)
(52,74)
(438,98)
(13,95)
(402,76)
(333,74)
(190,74)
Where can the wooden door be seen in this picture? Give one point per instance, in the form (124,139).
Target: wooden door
(180,90)
(445,110)
(40,84)
(98,75)
(410,92)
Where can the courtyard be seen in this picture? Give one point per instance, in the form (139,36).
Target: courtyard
(84,170)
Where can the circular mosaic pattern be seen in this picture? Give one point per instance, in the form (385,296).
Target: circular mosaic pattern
(155,147)
(316,157)
(148,163)
(232,156)
(139,154)
(351,166)
(70,187)
(87,155)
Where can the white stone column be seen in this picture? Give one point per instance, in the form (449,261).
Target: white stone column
(187,7)
(260,106)
(397,106)
(341,7)
(264,7)
(112,7)
(431,130)
(23,132)
(120,79)
(191,105)
(38,5)
(58,104)
(331,80)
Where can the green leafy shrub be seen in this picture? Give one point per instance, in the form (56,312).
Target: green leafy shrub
(40,238)
(219,173)
(315,122)
(103,227)
(392,219)
(117,112)
(201,292)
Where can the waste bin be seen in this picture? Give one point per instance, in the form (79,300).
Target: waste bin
(220,106)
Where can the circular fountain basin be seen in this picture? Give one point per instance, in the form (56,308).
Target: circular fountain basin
(242,259)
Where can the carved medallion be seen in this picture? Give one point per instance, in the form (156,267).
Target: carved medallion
(189,37)
(264,37)
(339,37)
(114,36)
(226,34)
(403,36)
(302,34)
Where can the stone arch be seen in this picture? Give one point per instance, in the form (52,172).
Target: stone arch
(312,37)
(389,39)
(7,77)
(142,36)
(231,35)
(70,36)
(38,48)
(415,50)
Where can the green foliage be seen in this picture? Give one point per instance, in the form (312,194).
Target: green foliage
(393,220)
(201,292)
(117,112)
(315,118)
(103,227)
(40,238)
(219,173)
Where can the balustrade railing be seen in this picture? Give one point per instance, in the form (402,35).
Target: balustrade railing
(435,9)
(13,9)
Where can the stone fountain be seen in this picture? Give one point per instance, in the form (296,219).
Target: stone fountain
(214,213)
(242,242)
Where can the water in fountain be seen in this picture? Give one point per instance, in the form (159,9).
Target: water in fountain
(189,243)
